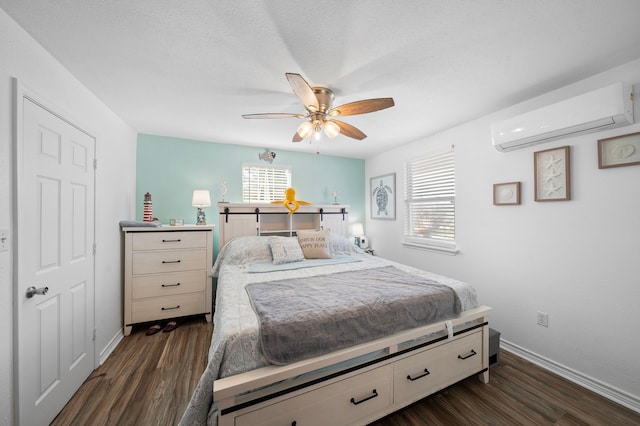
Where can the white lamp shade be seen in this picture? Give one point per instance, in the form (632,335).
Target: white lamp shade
(357,229)
(331,129)
(201,198)
(305,129)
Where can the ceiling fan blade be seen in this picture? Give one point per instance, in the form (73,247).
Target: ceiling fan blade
(349,130)
(297,138)
(274,115)
(303,91)
(362,107)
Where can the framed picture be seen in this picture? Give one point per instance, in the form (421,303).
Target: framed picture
(619,151)
(506,194)
(552,174)
(383,197)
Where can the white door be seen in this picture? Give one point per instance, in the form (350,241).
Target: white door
(55,236)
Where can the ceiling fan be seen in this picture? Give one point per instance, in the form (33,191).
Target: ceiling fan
(319,115)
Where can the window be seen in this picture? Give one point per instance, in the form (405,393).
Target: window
(264,183)
(429,220)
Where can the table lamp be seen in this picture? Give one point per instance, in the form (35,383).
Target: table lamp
(201,199)
(360,239)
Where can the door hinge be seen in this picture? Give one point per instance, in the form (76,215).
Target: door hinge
(94,249)
(94,334)
(95,164)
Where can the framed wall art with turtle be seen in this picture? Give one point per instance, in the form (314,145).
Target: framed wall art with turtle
(383,197)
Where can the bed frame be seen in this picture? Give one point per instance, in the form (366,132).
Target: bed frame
(358,385)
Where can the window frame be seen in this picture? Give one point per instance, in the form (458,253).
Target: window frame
(430,180)
(273,190)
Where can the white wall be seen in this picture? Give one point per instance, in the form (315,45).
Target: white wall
(21,57)
(576,260)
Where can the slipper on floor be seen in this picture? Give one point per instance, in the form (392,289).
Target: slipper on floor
(171,325)
(153,329)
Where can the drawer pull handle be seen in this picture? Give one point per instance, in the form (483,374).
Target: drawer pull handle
(426,373)
(354,402)
(172,241)
(171,261)
(171,285)
(170,309)
(468,356)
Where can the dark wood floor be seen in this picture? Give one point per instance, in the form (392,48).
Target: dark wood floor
(148,380)
(518,393)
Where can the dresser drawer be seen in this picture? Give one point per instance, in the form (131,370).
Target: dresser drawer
(168,307)
(168,240)
(340,403)
(168,284)
(428,371)
(155,262)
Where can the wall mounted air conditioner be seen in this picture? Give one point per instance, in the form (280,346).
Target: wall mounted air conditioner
(605,108)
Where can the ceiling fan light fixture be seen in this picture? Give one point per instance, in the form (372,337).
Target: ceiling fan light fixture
(331,129)
(306,129)
(318,103)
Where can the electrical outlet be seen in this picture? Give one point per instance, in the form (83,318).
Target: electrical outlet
(4,240)
(543,319)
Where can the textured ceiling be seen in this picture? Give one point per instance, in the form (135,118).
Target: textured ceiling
(191,68)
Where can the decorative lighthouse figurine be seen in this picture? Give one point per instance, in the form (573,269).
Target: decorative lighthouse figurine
(147,215)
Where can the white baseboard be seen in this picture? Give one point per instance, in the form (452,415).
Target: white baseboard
(616,395)
(104,354)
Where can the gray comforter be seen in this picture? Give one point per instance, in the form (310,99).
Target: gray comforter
(300,319)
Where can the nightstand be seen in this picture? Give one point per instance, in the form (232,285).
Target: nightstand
(166,273)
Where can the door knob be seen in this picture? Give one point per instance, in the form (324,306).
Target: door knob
(32,291)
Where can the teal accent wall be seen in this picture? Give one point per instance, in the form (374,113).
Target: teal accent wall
(171,168)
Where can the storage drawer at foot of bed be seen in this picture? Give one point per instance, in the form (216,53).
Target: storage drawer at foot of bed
(340,403)
(157,308)
(432,369)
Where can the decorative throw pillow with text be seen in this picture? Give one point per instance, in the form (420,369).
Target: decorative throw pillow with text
(315,244)
(285,250)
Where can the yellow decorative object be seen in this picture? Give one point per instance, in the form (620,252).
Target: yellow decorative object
(290,201)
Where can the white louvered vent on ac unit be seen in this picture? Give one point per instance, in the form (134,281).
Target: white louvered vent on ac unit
(605,108)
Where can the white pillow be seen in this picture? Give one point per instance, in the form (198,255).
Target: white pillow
(315,244)
(340,244)
(285,250)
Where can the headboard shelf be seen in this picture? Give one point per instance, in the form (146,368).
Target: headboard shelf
(245,219)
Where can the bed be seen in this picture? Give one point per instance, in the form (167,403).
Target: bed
(253,378)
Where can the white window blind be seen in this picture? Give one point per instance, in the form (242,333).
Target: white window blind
(264,183)
(430,202)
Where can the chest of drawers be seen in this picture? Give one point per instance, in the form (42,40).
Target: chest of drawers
(166,273)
